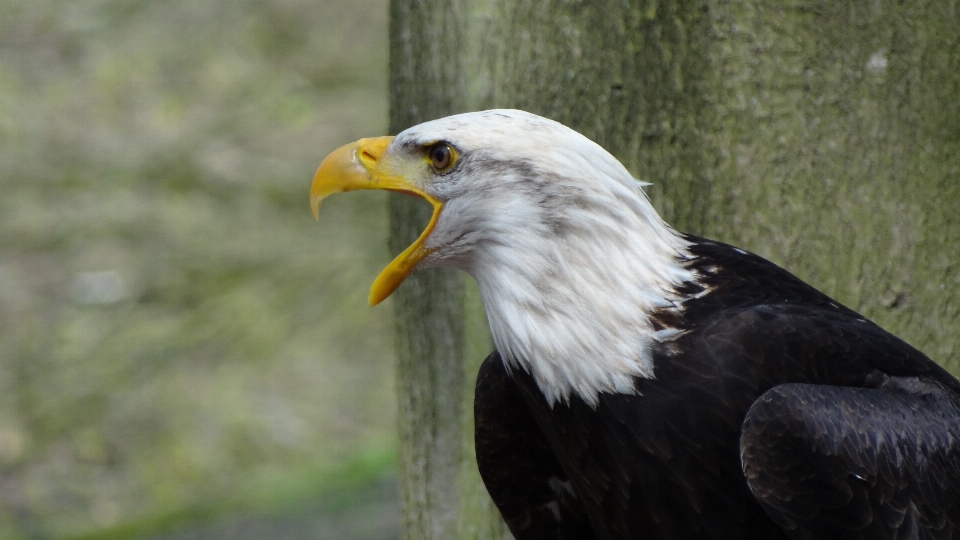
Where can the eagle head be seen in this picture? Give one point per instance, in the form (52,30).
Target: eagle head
(570,257)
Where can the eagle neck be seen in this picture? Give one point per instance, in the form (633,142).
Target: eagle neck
(575,303)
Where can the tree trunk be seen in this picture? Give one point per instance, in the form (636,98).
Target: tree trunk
(824,136)
(441,332)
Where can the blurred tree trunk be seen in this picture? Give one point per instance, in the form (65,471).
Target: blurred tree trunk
(824,136)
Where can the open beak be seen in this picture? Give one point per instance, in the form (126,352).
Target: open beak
(360,165)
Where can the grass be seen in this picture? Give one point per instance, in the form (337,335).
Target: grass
(317,489)
(172,321)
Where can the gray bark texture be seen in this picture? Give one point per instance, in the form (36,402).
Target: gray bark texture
(822,135)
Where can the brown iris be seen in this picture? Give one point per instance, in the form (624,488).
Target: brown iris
(441,156)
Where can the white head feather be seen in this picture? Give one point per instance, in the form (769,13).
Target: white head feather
(570,256)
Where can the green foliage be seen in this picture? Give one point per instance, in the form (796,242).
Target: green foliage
(172,321)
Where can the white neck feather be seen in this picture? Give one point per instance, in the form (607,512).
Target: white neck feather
(571,303)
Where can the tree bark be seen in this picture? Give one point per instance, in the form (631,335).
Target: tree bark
(824,136)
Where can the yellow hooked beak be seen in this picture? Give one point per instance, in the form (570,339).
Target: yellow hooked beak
(360,166)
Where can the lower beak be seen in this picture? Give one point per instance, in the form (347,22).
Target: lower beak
(360,165)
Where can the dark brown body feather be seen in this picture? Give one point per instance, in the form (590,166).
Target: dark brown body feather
(777,414)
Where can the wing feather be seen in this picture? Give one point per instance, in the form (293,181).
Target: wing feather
(877,463)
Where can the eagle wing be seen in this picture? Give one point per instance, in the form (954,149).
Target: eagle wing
(877,463)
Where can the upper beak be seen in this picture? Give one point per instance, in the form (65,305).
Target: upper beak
(361,165)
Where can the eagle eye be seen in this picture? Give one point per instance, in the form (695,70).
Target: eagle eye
(441,156)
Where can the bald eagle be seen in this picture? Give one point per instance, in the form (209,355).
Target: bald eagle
(651,384)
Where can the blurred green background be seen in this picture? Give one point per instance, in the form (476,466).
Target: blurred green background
(184,352)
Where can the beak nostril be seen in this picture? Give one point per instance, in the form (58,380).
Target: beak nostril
(367,156)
